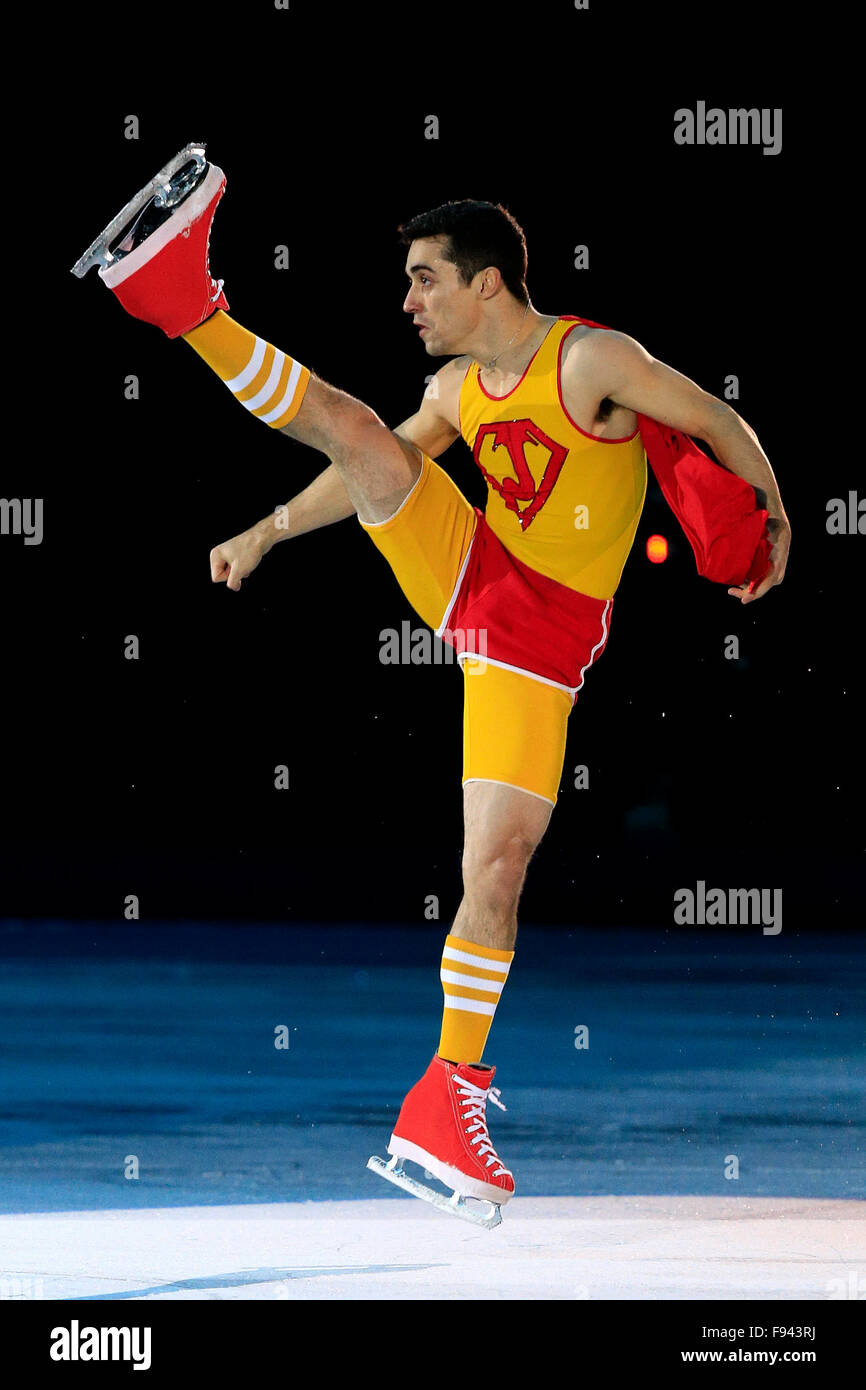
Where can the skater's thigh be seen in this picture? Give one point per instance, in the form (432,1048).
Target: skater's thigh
(426,541)
(514,729)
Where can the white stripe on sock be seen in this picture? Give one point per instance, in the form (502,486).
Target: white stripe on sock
(499,967)
(472,1006)
(244,378)
(470,982)
(287,398)
(264,395)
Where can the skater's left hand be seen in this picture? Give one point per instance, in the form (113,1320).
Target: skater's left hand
(780,533)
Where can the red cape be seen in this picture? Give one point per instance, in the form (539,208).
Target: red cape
(718,511)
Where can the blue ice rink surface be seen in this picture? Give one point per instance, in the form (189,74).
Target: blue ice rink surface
(158,1043)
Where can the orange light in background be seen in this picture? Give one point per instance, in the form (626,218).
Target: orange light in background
(656,549)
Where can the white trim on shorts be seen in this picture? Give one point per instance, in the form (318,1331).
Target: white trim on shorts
(598,644)
(373,524)
(571,690)
(456,590)
(496,782)
(519,670)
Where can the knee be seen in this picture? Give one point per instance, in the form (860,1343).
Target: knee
(497,868)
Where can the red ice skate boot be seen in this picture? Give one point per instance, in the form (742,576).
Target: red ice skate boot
(442,1126)
(154,254)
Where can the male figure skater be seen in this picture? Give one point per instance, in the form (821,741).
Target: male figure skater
(551,407)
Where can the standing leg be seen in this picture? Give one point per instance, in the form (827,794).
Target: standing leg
(442,1123)
(503,827)
(514,731)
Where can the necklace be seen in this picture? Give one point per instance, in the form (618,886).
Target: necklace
(494,360)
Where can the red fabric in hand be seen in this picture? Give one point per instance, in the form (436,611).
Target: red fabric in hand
(718,511)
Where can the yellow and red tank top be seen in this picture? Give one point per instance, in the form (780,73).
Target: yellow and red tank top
(562,501)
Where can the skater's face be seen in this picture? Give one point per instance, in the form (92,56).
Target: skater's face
(445,310)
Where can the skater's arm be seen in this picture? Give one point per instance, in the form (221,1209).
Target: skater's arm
(433,427)
(621,370)
(736,445)
(321,504)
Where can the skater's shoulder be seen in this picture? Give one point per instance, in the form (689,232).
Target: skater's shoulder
(452,376)
(455,369)
(449,382)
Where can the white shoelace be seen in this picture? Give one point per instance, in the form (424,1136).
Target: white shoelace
(219,285)
(476,1097)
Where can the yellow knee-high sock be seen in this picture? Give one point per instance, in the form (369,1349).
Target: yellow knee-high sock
(472,981)
(270,384)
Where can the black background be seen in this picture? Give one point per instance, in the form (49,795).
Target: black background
(155,776)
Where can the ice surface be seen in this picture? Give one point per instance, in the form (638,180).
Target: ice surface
(157,1045)
(581,1248)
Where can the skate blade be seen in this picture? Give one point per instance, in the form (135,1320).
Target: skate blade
(454,1206)
(159,188)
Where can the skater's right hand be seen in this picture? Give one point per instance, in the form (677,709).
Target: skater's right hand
(234,560)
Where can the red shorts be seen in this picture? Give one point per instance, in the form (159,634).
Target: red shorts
(529,622)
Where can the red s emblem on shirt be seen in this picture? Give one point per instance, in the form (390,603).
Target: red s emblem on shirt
(514,435)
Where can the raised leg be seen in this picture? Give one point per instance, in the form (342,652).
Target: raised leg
(376,466)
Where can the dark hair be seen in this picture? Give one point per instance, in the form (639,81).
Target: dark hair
(478,235)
